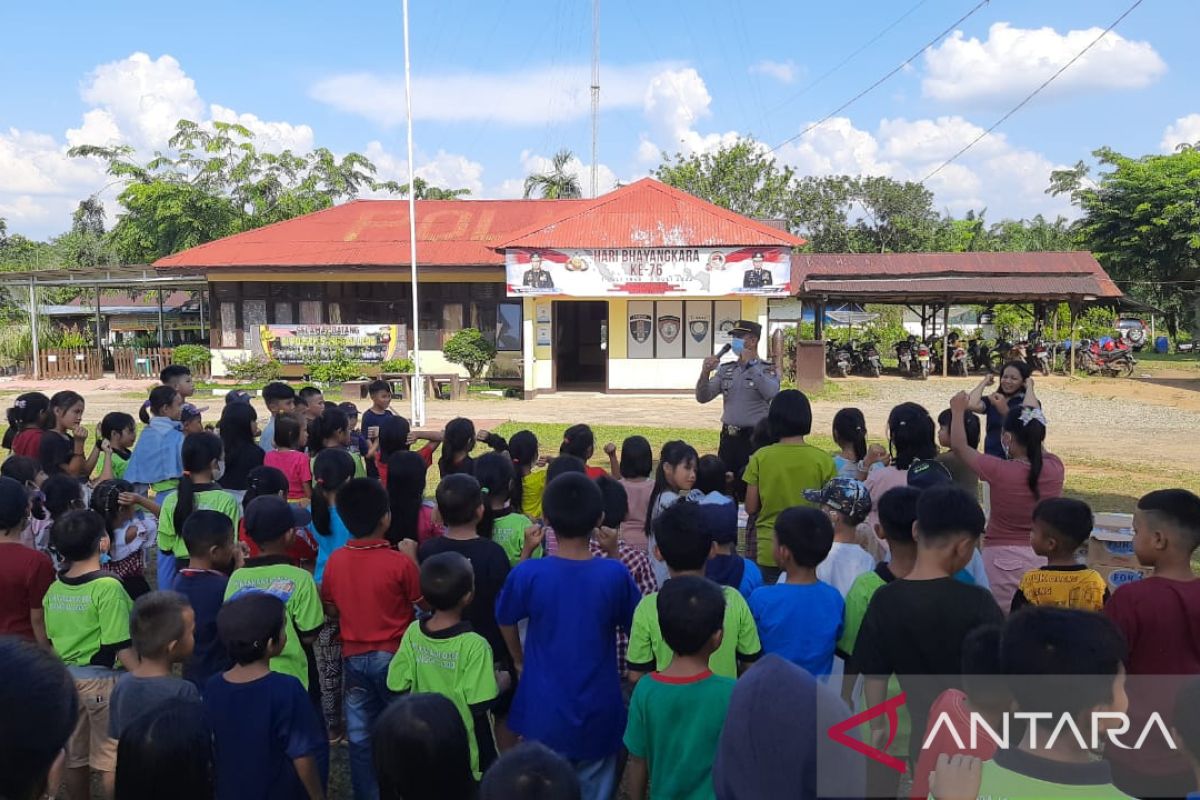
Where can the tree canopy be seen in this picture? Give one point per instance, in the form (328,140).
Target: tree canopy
(557,183)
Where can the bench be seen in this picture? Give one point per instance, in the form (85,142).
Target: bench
(438,386)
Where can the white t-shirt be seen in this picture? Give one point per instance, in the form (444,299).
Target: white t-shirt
(845,562)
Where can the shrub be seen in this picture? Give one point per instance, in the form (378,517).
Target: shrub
(470,349)
(339,369)
(192,356)
(395,365)
(253,369)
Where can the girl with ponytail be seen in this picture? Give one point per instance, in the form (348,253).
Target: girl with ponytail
(26,421)
(198,488)
(531,483)
(850,434)
(156,461)
(675,479)
(412,515)
(131,521)
(500,522)
(28,472)
(332,467)
(458,440)
(331,430)
(1018,483)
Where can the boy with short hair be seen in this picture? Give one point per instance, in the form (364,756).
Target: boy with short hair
(847,502)
(569,695)
(314,402)
(380,393)
(676,714)
(178,377)
(1160,617)
(964,476)
(213,556)
(280,399)
(914,628)
(270,524)
(442,655)
(162,627)
(800,619)
(1061,525)
(371,590)
(358,439)
(118,432)
(87,622)
(268,738)
(682,541)
(1086,649)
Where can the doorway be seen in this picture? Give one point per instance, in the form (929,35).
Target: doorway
(581,346)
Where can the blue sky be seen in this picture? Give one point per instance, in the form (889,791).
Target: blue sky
(500,86)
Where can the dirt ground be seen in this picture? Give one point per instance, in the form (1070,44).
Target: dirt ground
(1153,418)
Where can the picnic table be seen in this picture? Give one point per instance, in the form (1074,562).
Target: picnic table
(438,386)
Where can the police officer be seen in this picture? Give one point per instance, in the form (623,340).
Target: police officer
(748,385)
(535,277)
(758,277)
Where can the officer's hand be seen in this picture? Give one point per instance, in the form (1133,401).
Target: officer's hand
(711,363)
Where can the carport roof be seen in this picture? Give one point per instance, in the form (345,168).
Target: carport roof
(958,277)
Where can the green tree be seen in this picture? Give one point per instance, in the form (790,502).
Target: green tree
(557,184)
(214,183)
(85,244)
(1141,217)
(427,192)
(469,348)
(741,177)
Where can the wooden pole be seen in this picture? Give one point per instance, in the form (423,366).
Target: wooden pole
(160,320)
(946,340)
(99,345)
(1074,338)
(33,329)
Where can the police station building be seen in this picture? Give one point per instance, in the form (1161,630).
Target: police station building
(624,293)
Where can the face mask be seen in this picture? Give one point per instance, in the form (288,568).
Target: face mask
(738,346)
(219,470)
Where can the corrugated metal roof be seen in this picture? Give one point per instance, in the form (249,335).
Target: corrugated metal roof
(374,233)
(648,213)
(148,300)
(1032,276)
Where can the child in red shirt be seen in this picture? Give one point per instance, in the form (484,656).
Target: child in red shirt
(371,589)
(1160,617)
(986,695)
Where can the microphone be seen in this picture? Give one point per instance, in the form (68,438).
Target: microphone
(724,349)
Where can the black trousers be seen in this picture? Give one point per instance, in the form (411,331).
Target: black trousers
(735,450)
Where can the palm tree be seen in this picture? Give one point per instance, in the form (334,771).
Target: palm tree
(426,191)
(557,184)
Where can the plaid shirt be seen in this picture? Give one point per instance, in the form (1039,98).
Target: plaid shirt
(638,564)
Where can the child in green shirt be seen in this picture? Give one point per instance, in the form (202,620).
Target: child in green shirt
(197,490)
(676,715)
(503,525)
(269,523)
(442,655)
(87,622)
(118,432)
(684,542)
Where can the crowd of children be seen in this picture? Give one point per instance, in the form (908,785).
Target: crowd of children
(223,607)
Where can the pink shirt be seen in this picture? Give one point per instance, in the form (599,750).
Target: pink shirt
(633,529)
(1011,518)
(878,482)
(294,465)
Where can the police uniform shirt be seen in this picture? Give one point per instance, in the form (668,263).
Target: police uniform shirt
(538,279)
(756,278)
(748,389)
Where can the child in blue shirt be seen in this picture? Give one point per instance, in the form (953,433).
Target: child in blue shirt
(569,694)
(720,513)
(800,619)
(213,556)
(269,742)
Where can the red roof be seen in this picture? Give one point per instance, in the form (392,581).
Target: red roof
(648,213)
(374,233)
(912,276)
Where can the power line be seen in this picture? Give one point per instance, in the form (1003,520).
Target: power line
(1035,92)
(879,82)
(804,90)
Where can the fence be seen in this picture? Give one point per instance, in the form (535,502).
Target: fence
(147,362)
(70,364)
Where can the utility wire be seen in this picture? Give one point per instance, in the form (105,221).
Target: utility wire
(978,6)
(1035,92)
(805,89)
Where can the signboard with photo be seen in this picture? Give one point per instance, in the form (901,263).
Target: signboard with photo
(728,312)
(668,328)
(691,271)
(302,344)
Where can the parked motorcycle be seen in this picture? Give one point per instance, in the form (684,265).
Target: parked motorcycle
(904,356)
(1110,359)
(958,356)
(1037,354)
(981,356)
(867,361)
(838,359)
(924,360)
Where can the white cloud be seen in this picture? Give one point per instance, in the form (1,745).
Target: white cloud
(782,71)
(274,137)
(444,170)
(1185,130)
(144,97)
(527,97)
(531,163)
(1009,181)
(673,101)
(1013,61)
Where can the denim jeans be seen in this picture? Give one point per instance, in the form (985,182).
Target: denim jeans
(367,696)
(597,779)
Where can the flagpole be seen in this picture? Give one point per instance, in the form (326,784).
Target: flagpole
(416,391)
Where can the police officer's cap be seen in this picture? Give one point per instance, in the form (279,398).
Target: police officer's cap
(747,328)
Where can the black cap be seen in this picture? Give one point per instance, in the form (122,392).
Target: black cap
(746,328)
(928,473)
(237,396)
(269,518)
(190,412)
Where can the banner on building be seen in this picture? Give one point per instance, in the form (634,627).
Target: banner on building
(691,271)
(304,344)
